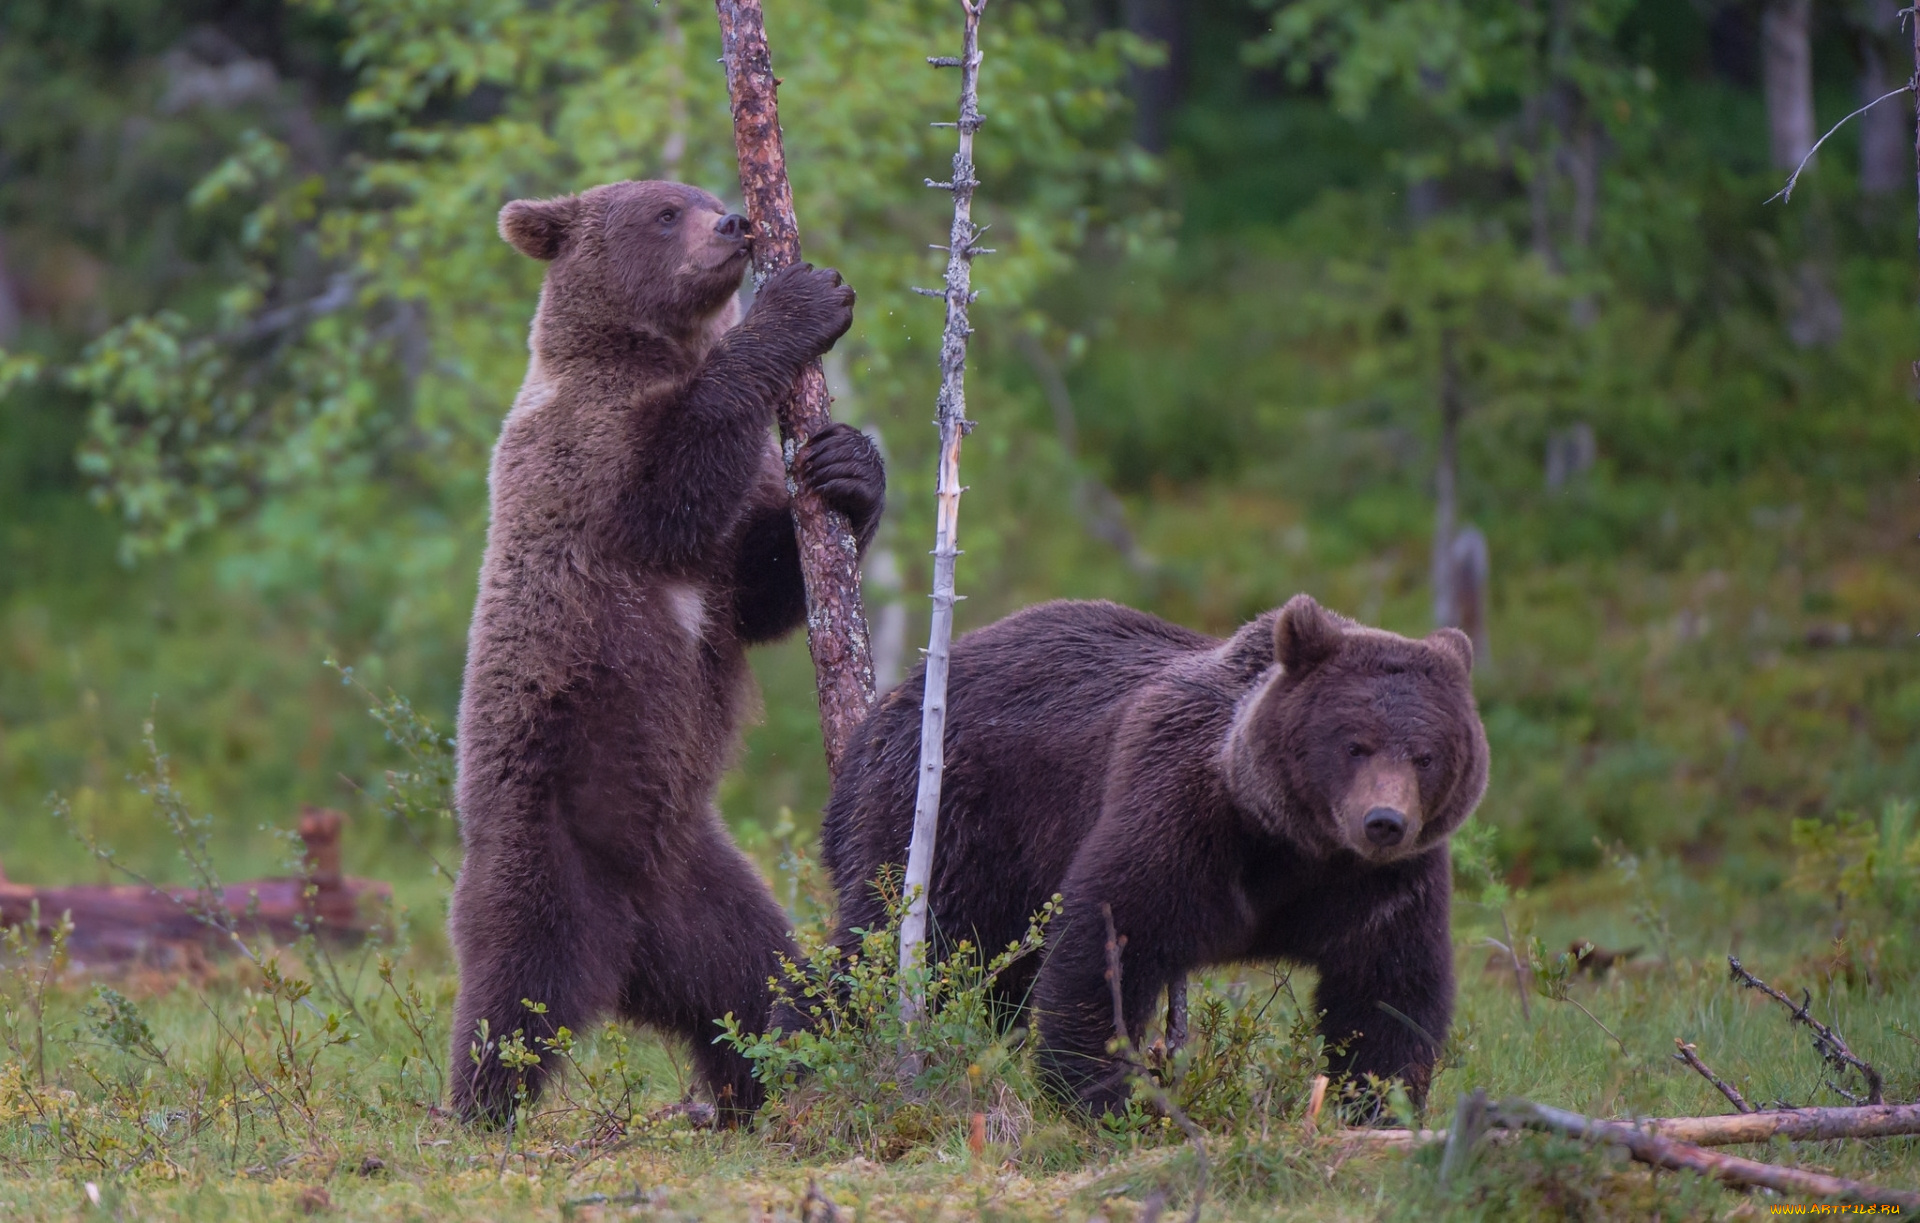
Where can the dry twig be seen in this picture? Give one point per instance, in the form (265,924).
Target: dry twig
(1828,1043)
(1691,1056)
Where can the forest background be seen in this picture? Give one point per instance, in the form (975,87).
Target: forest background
(260,335)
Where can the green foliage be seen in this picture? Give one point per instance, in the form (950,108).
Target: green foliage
(1867,873)
(1246,1066)
(861,1079)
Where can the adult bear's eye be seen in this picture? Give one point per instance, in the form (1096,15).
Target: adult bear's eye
(1357,750)
(669,216)
(1422,761)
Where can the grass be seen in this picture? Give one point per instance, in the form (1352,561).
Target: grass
(248,1093)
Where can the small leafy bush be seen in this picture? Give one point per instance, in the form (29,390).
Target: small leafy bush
(863,1080)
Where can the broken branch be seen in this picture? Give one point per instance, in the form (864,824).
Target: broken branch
(1826,1042)
(1691,1056)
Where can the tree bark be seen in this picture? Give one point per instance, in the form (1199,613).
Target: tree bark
(952,416)
(829,553)
(1155,90)
(1787,70)
(1883,130)
(1445,498)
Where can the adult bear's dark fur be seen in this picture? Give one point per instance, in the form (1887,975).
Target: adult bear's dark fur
(1284,794)
(640,539)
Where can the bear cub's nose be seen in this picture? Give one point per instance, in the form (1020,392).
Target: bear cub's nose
(733,225)
(1385,826)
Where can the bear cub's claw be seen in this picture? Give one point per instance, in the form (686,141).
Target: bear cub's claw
(843,465)
(814,303)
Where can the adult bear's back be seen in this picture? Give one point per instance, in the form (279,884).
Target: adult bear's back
(1032,705)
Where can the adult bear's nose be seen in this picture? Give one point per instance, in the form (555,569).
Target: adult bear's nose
(733,225)
(1385,826)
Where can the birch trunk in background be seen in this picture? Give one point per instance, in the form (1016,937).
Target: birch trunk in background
(829,554)
(952,418)
(1786,52)
(1883,130)
(1446,472)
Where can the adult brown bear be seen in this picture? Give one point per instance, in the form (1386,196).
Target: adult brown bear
(641,538)
(1284,794)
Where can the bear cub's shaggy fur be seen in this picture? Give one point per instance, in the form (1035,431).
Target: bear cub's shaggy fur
(641,538)
(1284,794)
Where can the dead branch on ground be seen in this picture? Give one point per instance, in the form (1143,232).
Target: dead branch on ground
(1691,1056)
(1828,1043)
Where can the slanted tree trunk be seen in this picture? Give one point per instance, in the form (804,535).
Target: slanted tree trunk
(1787,70)
(1884,140)
(951,414)
(829,553)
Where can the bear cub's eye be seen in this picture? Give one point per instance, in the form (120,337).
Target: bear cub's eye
(1422,761)
(669,216)
(1358,750)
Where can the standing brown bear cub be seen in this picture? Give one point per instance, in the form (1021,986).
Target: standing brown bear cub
(640,539)
(1284,794)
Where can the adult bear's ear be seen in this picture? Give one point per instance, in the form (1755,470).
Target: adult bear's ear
(538,227)
(1305,635)
(1455,644)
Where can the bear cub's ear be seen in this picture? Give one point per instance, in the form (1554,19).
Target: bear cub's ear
(538,227)
(1454,643)
(1305,635)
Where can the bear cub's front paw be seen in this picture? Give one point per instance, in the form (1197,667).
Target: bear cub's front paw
(843,465)
(813,304)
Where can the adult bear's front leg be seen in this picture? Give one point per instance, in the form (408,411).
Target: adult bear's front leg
(1387,991)
(1168,913)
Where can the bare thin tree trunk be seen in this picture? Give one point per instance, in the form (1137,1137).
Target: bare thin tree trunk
(1787,64)
(954,426)
(1156,91)
(829,554)
(1099,507)
(1446,508)
(1915,25)
(674,147)
(1883,130)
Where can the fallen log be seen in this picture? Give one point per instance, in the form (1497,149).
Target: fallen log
(1796,1124)
(1653,1148)
(171,926)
